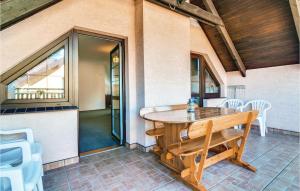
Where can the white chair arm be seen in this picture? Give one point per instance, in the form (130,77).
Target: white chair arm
(24,145)
(27,131)
(268,107)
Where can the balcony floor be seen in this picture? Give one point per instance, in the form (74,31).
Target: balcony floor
(275,156)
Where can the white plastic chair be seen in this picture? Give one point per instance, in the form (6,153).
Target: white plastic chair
(26,176)
(262,107)
(232,104)
(13,156)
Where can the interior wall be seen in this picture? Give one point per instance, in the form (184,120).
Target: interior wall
(278,85)
(94,72)
(91,82)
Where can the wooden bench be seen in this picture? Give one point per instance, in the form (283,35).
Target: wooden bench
(204,136)
(158,128)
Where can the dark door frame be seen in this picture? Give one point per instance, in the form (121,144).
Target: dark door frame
(205,66)
(105,36)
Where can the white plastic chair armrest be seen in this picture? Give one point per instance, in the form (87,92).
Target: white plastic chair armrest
(27,131)
(268,107)
(24,145)
(11,171)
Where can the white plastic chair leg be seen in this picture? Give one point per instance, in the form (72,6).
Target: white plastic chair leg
(40,185)
(266,126)
(262,128)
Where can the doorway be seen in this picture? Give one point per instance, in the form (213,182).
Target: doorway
(100,93)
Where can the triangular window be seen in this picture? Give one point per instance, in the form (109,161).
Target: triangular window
(210,84)
(42,79)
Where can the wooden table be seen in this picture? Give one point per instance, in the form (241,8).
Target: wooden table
(175,120)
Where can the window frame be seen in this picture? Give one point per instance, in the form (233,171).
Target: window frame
(65,41)
(204,66)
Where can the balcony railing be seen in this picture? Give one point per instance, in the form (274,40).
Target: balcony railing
(38,93)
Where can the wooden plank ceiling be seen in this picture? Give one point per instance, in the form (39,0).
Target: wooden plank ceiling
(263,32)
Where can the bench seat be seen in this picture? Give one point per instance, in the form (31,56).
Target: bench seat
(193,146)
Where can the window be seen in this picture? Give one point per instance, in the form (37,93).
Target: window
(44,81)
(211,87)
(40,80)
(203,83)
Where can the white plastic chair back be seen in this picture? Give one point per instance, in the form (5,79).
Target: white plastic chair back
(260,105)
(232,103)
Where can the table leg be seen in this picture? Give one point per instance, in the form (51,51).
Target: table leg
(171,136)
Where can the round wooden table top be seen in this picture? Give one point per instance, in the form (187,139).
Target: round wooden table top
(182,116)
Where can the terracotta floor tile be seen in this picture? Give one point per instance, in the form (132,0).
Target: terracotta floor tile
(275,156)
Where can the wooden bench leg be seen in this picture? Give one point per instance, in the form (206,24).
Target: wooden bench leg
(189,175)
(243,164)
(196,186)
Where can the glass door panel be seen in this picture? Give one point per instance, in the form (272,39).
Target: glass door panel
(195,79)
(116,93)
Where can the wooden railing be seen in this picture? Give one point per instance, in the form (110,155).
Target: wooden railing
(39,93)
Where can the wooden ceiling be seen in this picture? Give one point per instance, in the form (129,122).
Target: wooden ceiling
(263,32)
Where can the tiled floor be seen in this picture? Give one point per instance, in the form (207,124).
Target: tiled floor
(275,156)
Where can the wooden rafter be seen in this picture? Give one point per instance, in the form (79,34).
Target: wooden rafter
(226,38)
(295,7)
(191,11)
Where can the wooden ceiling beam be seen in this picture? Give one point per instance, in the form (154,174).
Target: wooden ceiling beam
(295,7)
(226,38)
(190,10)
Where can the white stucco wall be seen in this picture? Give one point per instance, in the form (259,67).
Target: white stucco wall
(56,131)
(165,58)
(110,16)
(278,85)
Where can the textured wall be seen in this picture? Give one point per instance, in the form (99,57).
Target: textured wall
(56,131)
(278,85)
(166,56)
(166,59)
